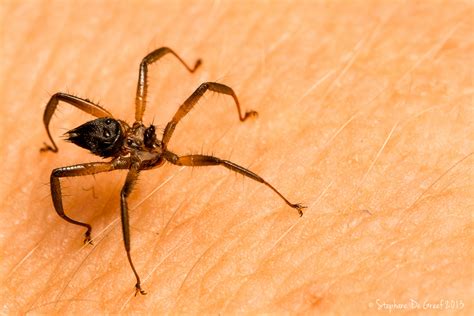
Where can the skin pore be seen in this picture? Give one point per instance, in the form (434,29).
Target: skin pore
(365,115)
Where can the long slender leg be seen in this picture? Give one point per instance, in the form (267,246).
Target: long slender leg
(201,160)
(73,171)
(82,104)
(126,190)
(142,86)
(194,98)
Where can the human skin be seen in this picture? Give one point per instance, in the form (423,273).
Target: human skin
(365,115)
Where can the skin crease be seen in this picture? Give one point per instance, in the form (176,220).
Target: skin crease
(365,115)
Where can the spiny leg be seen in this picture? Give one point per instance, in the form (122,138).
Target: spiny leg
(74,171)
(202,160)
(82,104)
(126,190)
(142,86)
(194,98)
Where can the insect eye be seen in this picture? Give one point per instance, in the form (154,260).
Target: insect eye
(108,121)
(150,137)
(106,133)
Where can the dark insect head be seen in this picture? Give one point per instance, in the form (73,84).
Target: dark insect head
(102,136)
(149,137)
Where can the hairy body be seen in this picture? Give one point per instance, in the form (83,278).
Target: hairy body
(135,147)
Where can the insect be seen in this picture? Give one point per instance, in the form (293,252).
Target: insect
(134,147)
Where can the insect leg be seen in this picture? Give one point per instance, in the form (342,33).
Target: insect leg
(73,171)
(126,190)
(142,86)
(82,104)
(194,98)
(202,160)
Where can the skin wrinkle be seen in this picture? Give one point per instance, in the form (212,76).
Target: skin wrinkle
(98,67)
(211,248)
(404,126)
(355,53)
(436,181)
(269,251)
(314,86)
(419,200)
(62,301)
(198,259)
(10,68)
(23,260)
(343,126)
(309,257)
(230,299)
(233,242)
(63,290)
(361,182)
(418,190)
(432,51)
(379,152)
(48,64)
(104,233)
(306,265)
(260,71)
(148,276)
(436,47)
(97,240)
(115,222)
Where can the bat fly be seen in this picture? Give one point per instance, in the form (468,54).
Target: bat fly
(134,147)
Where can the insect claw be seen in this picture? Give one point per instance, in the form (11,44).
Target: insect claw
(46,147)
(196,65)
(87,239)
(250,113)
(299,207)
(138,289)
